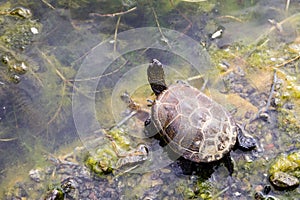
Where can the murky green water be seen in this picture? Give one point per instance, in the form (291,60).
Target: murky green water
(79,60)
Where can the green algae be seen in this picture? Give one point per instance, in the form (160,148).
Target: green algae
(287,163)
(106,157)
(195,189)
(285,170)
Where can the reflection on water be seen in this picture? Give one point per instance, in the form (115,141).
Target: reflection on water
(36,118)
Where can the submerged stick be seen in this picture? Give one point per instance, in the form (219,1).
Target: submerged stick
(116,33)
(184,17)
(272,90)
(7,139)
(164,39)
(287,5)
(265,109)
(114,14)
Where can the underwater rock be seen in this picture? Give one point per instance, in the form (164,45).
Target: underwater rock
(55,194)
(24,13)
(36,175)
(282,180)
(284,172)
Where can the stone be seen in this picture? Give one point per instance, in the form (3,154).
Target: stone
(282,180)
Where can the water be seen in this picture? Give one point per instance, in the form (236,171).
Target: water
(78,67)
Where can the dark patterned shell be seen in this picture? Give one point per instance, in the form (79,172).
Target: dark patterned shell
(194,125)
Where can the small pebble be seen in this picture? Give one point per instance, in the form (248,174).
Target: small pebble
(35,175)
(34,30)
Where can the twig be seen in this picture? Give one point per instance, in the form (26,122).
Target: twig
(279,24)
(116,33)
(121,172)
(272,90)
(86,53)
(7,139)
(60,75)
(114,14)
(48,4)
(184,17)
(36,77)
(15,117)
(287,62)
(287,5)
(63,89)
(164,39)
(221,192)
(59,106)
(194,77)
(266,108)
(103,75)
(230,17)
(124,120)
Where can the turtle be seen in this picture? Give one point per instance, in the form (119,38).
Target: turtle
(192,124)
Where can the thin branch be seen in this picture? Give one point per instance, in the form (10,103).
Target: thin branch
(230,17)
(187,19)
(164,39)
(103,75)
(221,192)
(86,53)
(287,5)
(265,109)
(7,139)
(61,76)
(48,4)
(36,77)
(295,16)
(272,91)
(114,14)
(287,62)
(116,33)
(59,106)
(123,121)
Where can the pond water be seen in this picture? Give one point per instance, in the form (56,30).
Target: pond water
(65,65)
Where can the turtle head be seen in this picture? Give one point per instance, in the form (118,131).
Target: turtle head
(245,141)
(156,77)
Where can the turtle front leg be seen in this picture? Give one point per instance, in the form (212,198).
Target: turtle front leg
(148,127)
(135,108)
(228,163)
(245,142)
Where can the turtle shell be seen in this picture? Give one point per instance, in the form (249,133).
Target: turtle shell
(193,125)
